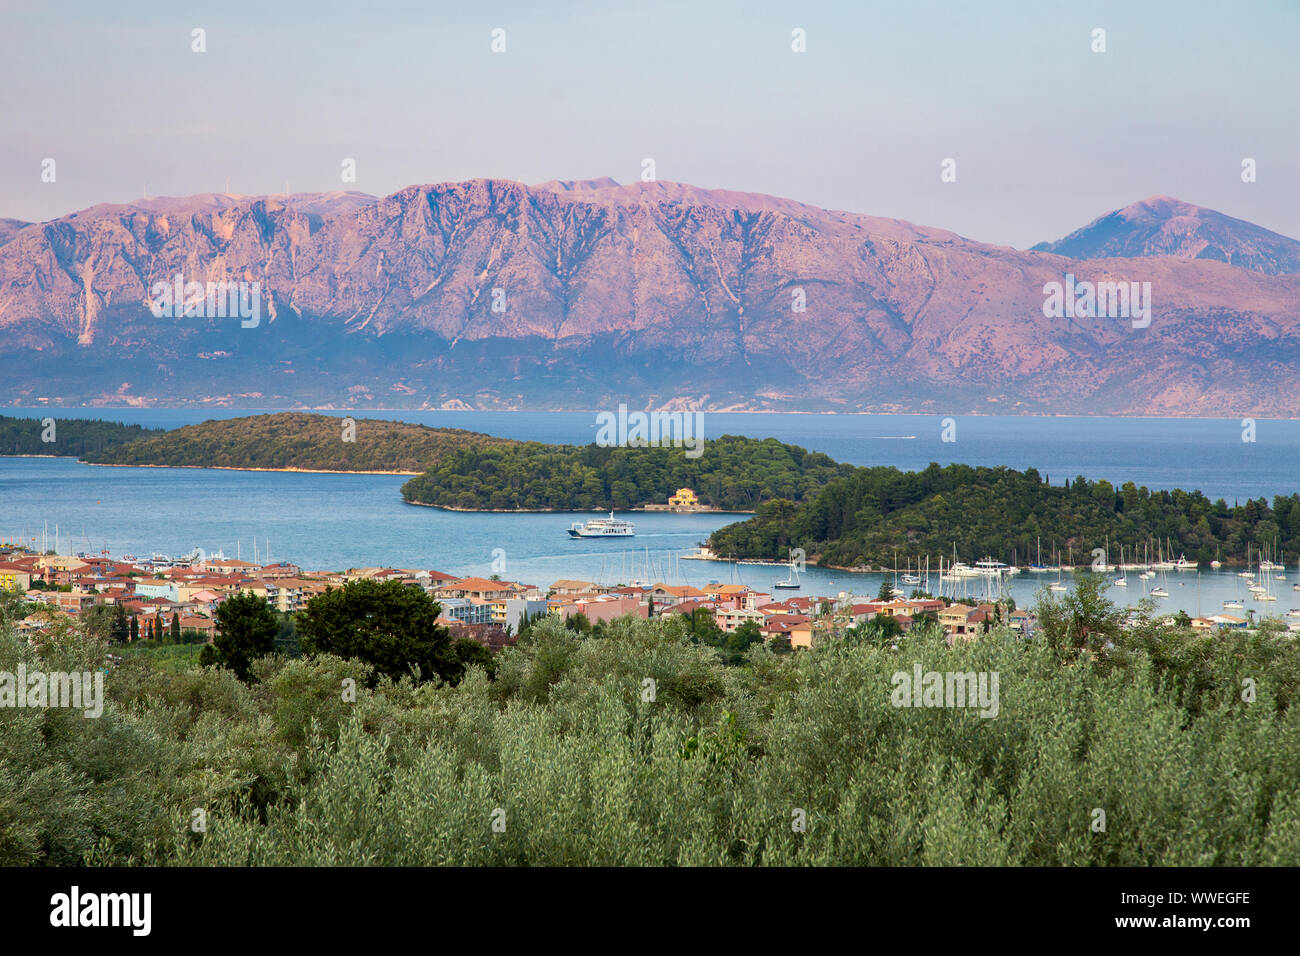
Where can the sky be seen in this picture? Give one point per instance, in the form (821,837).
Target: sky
(1047,134)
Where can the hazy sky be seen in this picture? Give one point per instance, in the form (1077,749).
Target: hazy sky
(1047,134)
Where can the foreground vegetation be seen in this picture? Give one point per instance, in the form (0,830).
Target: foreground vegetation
(70,436)
(634,744)
(297,440)
(733,473)
(875,514)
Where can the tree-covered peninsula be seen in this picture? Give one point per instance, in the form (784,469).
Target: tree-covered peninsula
(733,474)
(877,515)
(55,435)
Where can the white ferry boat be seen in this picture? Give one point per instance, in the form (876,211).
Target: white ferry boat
(610,527)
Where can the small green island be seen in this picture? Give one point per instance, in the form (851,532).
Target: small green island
(296,441)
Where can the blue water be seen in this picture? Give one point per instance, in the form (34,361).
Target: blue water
(321,521)
(342,521)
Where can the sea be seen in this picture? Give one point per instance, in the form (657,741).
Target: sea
(335,522)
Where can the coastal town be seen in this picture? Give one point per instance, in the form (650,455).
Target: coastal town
(164,596)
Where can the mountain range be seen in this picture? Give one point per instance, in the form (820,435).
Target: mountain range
(588,294)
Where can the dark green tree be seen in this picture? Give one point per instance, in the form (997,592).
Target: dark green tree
(246,630)
(121,630)
(578,623)
(389,625)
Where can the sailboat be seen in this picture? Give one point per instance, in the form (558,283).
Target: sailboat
(1038,567)
(1234,603)
(1161,591)
(792,580)
(1058,586)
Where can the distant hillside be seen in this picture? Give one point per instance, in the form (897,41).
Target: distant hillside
(733,474)
(583,295)
(1161,226)
(298,441)
(72,436)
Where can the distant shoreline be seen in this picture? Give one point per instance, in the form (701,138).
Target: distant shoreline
(972,413)
(304,471)
(40,456)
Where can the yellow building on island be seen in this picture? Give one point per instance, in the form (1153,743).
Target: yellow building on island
(685,498)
